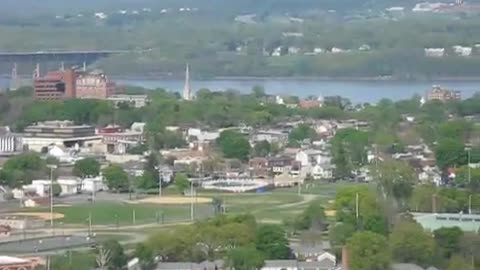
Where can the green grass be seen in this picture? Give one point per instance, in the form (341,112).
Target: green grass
(112,213)
(276,205)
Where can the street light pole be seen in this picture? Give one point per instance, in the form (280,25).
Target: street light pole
(469,169)
(191,200)
(470,204)
(52,167)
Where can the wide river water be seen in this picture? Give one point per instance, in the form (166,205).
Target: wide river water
(357,91)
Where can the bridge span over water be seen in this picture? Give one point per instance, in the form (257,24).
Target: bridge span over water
(70,57)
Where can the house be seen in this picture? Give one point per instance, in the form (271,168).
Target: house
(69,186)
(287,180)
(269,265)
(309,104)
(434,52)
(38,187)
(311,157)
(322,171)
(271,136)
(258,166)
(280,164)
(314,252)
(462,51)
(94,184)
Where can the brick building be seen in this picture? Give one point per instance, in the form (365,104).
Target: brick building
(56,85)
(94,85)
(438,93)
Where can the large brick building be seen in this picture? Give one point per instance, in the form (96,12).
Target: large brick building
(438,93)
(94,85)
(56,85)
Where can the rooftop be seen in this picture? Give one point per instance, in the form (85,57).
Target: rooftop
(11,260)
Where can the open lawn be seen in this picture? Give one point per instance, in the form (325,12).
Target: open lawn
(273,206)
(112,213)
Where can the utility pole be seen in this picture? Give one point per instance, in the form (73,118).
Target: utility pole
(89,223)
(191,200)
(133,217)
(470,204)
(469,169)
(356,206)
(51,167)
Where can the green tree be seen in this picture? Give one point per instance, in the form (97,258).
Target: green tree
(313,217)
(395,179)
(22,169)
(116,178)
(272,242)
(368,251)
(181,182)
(258,91)
(450,152)
(339,234)
(302,132)
(448,240)
(245,258)
(145,255)
(261,149)
(118,259)
(234,145)
(411,244)
(87,167)
(349,150)
(56,189)
(457,262)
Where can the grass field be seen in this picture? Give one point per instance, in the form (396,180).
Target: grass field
(273,206)
(111,213)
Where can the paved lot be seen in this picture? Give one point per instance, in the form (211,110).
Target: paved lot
(46,244)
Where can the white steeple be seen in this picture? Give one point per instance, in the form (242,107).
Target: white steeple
(187,91)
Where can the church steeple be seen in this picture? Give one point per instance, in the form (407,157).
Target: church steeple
(187,91)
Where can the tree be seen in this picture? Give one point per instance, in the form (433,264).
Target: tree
(116,177)
(349,150)
(411,244)
(339,234)
(118,259)
(258,91)
(313,217)
(271,241)
(368,251)
(245,258)
(302,132)
(450,152)
(56,189)
(395,179)
(261,149)
(457,262)
(181,182)
(87,167)
(22,169)
(448,240)
(234,145)
(145,255)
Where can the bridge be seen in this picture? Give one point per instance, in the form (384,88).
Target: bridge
(70,57)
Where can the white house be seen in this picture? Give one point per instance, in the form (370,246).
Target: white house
(462,51)
(69,186)
(434,52)
(93,184)
(323,171)
(39,187)
(312,157)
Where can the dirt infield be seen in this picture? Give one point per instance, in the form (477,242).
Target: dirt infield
(42,215)
(174,200)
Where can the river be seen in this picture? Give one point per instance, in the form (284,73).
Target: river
(357,91)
